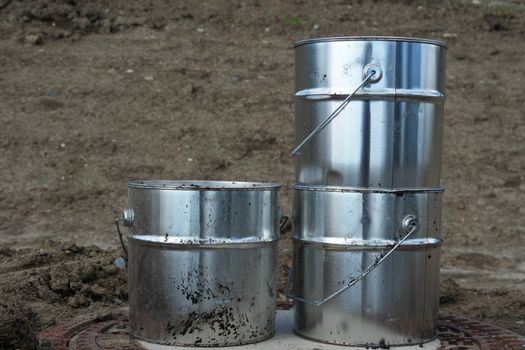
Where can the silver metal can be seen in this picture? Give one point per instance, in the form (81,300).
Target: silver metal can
(366,265)
(202,261)
(386,98)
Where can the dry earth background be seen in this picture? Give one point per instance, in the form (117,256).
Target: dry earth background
(95,93)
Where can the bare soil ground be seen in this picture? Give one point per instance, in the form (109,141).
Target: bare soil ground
(96,93)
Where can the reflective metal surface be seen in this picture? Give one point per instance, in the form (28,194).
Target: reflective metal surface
(390,134)
(202,209)
(341,231)
(202,262)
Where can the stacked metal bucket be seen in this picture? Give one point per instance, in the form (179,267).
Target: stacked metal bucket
(367,207)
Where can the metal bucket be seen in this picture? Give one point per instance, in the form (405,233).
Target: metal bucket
(369,111)
(202,261)
(366,265)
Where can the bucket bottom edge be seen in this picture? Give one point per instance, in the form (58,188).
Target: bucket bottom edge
(372,345)
(158,345)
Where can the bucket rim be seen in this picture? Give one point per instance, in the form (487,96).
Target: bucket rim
(347,189)
(371,38)
(195,242)
(204,185)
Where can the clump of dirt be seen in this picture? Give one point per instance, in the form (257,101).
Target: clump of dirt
(54,282)
(450,291)
(18,323)
(41,20)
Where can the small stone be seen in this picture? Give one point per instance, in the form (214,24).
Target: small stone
(62,145)
(75,286)
(190,159)
(200,30)
(78,301)
(82,22)
(120,263)
(34,39)
(87,273)
(110,270)
(449,35)
(149,78)
(129,71)
(476,2)
(95,292)
(59,283)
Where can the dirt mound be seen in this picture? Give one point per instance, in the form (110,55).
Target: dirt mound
(54,282)
(41,20)
(18,323)
(449,291)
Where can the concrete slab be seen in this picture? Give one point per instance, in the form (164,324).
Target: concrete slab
(286,339)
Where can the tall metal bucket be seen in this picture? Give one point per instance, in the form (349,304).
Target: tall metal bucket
(385,99)
(366,265)
(202,261)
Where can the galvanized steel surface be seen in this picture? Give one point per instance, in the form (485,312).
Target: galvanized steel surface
(202,296)
(205,209)
(364,217)
(338,233)
(202,262)
(390,134)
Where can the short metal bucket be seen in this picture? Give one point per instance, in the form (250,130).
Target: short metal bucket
(202,261)
(366,265)
(369,111)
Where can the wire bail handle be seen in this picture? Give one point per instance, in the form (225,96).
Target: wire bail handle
(372,73)
(127,217)
(409,226)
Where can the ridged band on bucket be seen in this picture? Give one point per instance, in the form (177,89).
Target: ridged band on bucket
(202,261)
(342,232)
(384,98)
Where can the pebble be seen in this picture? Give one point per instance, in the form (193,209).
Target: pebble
(78,301)
(149,78)
(35,39)
(120,263)
(449,35)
